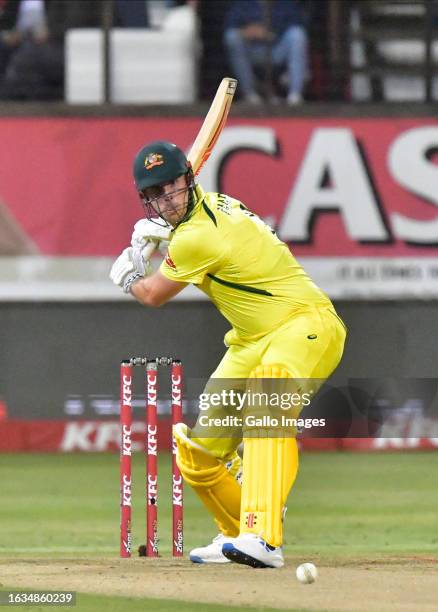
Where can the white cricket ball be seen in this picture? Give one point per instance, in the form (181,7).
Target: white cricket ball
(307,573)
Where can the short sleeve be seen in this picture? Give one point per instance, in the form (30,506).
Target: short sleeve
(189,257)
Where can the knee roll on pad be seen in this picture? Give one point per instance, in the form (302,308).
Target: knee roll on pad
(212,482)
(271,380)
(274,370)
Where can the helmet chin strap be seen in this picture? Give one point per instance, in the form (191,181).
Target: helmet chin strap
(191,186)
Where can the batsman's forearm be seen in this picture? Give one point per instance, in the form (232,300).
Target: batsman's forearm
(143,291)
(155,290)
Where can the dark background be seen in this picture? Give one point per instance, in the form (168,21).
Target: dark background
(55,352)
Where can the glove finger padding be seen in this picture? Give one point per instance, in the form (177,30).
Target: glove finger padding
(146,230)
(141,256)
(122,267)
(123,272)
(147,251)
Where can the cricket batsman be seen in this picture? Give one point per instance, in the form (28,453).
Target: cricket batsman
(282,327)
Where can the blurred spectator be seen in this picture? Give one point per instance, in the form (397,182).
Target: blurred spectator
(173,3)
(35,71)
(18,19)
(131,14)
(259,33)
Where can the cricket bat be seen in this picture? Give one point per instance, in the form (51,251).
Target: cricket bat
(213,124)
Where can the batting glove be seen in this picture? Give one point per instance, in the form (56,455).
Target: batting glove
(124,271)
(146,231)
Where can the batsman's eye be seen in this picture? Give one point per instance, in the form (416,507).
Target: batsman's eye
(151,193)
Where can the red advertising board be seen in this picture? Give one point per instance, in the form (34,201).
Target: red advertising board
(104,436)
(343,191)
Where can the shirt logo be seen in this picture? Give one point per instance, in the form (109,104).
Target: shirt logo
(169,262)
(152,160)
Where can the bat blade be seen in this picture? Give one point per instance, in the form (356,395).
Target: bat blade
(213,124)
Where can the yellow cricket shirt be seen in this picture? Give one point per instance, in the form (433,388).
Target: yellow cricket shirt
(230,254)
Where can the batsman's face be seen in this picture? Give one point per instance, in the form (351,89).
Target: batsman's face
(169,201)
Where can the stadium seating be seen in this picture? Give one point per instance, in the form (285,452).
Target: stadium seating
(148,66)
(388,52)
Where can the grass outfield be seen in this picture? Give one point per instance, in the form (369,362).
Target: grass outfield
(93,603)
(341,504)
(344,508)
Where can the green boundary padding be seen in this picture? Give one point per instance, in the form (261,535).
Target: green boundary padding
(98,603)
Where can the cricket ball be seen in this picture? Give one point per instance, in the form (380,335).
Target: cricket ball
(307,573)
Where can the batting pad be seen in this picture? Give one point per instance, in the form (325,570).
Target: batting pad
(270,466)
(215,486)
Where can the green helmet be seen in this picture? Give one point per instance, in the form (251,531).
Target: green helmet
(158,162)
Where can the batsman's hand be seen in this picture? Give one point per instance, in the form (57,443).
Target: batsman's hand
(146,231)
(125,271)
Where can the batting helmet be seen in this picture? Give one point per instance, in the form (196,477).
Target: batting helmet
(158,162)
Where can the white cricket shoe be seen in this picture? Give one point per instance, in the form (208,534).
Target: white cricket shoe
(250,549)
(212,553)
